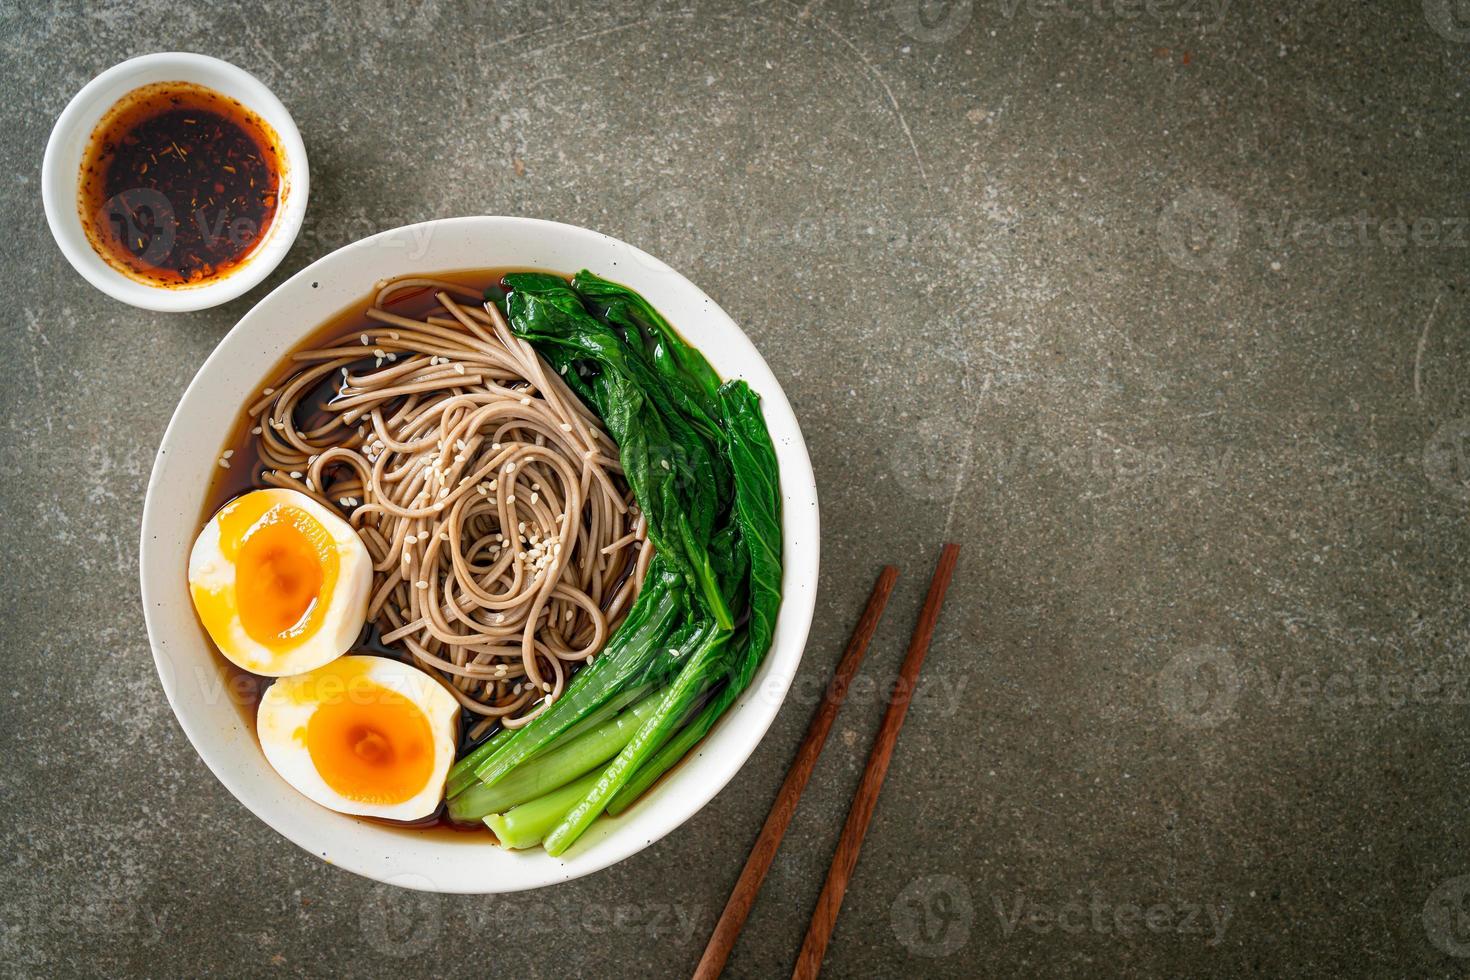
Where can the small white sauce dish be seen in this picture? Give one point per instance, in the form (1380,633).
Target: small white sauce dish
(61,173)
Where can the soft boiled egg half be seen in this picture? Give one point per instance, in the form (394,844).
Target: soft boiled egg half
(363,735)
(280,582)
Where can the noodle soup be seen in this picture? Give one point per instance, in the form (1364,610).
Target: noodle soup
(478,606)
(251,462)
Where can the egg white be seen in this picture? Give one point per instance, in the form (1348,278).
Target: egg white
(289,703)
(346,607)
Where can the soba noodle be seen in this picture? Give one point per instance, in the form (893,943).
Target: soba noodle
(506,545)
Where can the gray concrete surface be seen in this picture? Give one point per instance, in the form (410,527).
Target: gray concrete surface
(1159,309)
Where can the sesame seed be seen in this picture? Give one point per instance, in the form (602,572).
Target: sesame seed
(378,352)
(410,539)
(421,584)
(525,401)
(566,427)
(459,369)
(364,339)
(665,464)
(295,474)
(535,497)
(228,453)
(270,391)
(224,463)
(255,431)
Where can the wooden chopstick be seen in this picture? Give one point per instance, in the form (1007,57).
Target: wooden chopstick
(809,960)
(727,930)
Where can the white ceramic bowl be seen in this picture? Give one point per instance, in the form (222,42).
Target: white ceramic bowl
(190,669)
(61,170)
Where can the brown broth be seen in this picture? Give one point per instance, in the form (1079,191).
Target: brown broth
(179,184)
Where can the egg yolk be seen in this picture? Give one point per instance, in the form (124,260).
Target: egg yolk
(371,745)
(278,577)
(285,570)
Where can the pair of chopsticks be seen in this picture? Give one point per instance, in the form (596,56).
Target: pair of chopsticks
(824,918)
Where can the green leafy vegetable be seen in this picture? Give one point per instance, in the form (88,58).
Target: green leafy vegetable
(569,759)
(702,467)
(528,824)
(758,506)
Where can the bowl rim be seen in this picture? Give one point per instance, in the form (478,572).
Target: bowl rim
(757,707)
(60,166)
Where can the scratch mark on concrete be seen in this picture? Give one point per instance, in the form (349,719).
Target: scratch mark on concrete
(892,100)
(521,36)
(1419,352)
(964,468)
(576,38)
